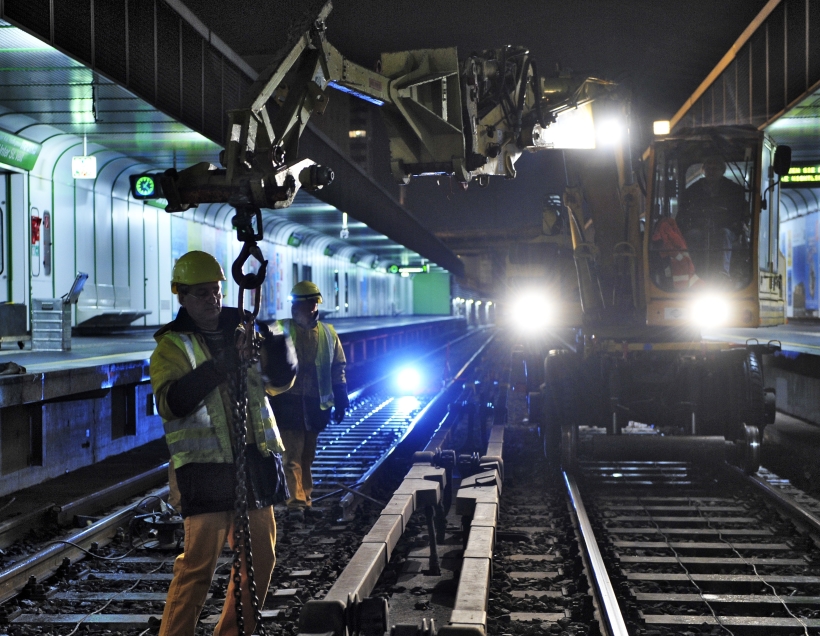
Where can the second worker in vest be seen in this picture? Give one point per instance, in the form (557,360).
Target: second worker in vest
(304,411)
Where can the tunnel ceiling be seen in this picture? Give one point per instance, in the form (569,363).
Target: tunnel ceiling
(47,85)
(50,87)
(800,128)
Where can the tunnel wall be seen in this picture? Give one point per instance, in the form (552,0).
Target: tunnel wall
(797,382)
(128,247)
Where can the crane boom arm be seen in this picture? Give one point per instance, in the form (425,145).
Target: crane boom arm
(469,119)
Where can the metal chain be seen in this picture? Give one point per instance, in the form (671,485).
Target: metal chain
(241,529)
(247,344)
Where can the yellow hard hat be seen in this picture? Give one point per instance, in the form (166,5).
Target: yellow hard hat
(305,290)
(196,267)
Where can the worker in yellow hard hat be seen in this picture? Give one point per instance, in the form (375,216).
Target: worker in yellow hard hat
(191,372)
(320,387)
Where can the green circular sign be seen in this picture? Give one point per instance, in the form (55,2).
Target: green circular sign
(145,186)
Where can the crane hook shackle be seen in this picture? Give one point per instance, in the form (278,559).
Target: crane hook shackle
(249,281)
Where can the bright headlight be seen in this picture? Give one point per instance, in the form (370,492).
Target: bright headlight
(710,311)
(531,313)
(408,380)
(609,132)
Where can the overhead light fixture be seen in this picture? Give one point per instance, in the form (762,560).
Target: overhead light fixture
(345,232)
(661,127)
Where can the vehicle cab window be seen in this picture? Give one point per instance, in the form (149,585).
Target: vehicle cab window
(702,221)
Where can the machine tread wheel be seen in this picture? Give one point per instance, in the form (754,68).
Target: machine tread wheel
(751,449)
(558,402)
(748,395)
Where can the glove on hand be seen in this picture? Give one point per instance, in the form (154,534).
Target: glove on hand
(263,329)
(340,399)
(227,361)
(279,362)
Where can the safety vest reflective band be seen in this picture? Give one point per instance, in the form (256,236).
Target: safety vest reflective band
(325,349)
(203,436)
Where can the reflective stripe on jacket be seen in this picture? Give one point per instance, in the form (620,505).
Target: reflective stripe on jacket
(324,357)
(204,436)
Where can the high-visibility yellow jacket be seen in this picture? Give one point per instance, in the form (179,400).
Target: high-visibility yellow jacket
(204,435)
(330,358)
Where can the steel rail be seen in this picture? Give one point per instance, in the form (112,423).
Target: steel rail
(613,620)
(358,391)
(13,529)
(435,403)
(422,489)
(122,491)
(47,561)
(44,563)
(789,505)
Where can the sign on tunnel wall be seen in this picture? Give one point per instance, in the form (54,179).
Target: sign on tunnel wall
(18,152)
(802,175)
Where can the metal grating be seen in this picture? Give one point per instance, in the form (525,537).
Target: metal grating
(730,91)
(233,88)
(743,82)
(34,14)
(168,49)
(775,67)
(718,101)
(72,28)
(191,77)
(141,64)
(796,53)
(813,39)
(109,38)
(776,63)
(213,123)
(759,78)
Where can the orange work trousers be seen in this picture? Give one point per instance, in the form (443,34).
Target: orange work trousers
(205,536)
(300,451)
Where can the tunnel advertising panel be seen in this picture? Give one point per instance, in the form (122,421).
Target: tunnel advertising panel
(187,235)
(800,243)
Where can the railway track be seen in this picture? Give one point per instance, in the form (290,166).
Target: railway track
(652,548)
(483,535)
(122,587)
(692,549)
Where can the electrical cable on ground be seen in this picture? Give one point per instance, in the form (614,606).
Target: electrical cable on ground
(685,569)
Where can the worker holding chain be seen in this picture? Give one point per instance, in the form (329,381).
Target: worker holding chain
(191,371)
(305,410)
